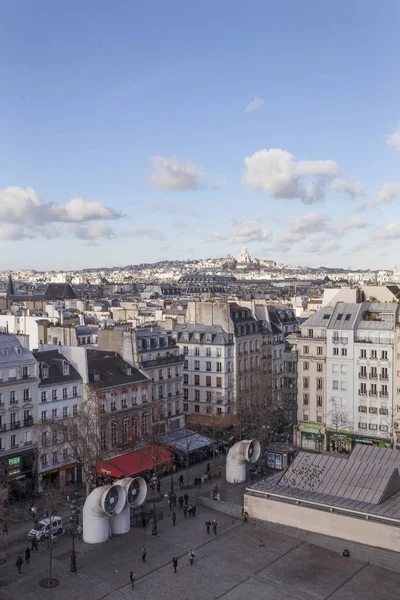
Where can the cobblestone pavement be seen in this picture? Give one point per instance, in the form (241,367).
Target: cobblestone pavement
(242,561)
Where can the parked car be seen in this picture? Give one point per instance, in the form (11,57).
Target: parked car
(42,531)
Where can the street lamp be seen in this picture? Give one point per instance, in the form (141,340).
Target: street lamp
(173,469)
(154,481)
(73,520)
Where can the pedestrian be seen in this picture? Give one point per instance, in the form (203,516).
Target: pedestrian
(214,526)
(173,518)
(173,500)
(170,503)
(34,544)
(193,510)
(190,510)
(185,510)
(180,500)
(144,524)
(18,564)
(175,563)
(208,468)
(186,497)
(181,481)
(27,555)
(144,552)
(208,525)
(132,577)
(191,557)
(158,485)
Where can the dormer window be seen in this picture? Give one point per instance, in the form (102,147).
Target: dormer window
(96,376)
(18,350)
(5,352)
(129,370)
(45,372)
(65,369)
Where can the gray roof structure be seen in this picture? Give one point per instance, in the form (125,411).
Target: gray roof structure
(54,361)
(368,481)
(218,334)
(344,316)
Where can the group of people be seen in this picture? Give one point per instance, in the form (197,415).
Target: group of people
(212,524)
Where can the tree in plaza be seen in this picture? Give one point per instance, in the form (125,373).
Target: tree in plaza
(260,415)
(79,433)
(339,422)
(49,506)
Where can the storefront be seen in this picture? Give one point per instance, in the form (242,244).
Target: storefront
(312,438)
(279,456)
(61,477)
(339,441)
(19,470)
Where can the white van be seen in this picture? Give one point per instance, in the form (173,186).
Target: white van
(43,529)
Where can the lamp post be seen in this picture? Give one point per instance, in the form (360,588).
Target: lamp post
(154,481)
(73,520)
(173,469)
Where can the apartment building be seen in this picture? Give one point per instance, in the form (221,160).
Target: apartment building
(208,368)
(59,396)
(18,394)
(347,390)
(155,352)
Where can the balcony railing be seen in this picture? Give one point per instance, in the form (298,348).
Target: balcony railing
(163,360)
(14,425)
(340,340)
(374,341)
(28,421)
(362,392)
(372,393)
(373,376)
(28,400)
(362,376)
(384,377)
(383,394)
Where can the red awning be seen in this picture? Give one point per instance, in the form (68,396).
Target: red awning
(134,463)
(140,461)
(105,468)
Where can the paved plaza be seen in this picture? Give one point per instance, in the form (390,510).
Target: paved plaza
(242,562)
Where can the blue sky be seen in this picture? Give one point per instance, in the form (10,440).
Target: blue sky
(133,132)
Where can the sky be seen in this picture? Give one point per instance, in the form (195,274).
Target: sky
(134,132)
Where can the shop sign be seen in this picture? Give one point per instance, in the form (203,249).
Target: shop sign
(311,427)
(14,462)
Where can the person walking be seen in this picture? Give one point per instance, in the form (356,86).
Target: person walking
(35,544)
(144,524)
(180,499)
(208,525)
(181,481)
(185,510)
(174,500)
(175,563)
(214,526)
(191,557)
(18,564)
(132,578)
(144,552)
(194,510)
(190,510)
(173,518)
(27,555)
(186,498)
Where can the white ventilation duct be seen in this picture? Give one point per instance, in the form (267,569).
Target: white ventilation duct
(103,502)
(135,490)
(238,455)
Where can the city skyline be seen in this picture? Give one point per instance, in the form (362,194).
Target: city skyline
(129,139)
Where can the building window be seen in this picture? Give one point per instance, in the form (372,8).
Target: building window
(113,434)
(13,397)
(208,351)
(305,415)
(319,401)
(44,438)
(320,350)
(373,354)
(54,413)
(373,427)
(65,393)
(103,438)
(65,412)
(65,454)
(383,428)
(45,373)
(197,351)
(208,380)
(362,426)
(373,410)
(43,396)
(363,353)
(335,384)
(306,366)
(306,399)
(197,395)
(344,351)
(384,355)
(306,349)
(123,402)
(319,367)
(75,391)
(383,411)
(208,396)
(185,350)
(43,459)
(55,458)
(197,380)
(196,408)
(185,407)
(185,365)
(44,415)
(185,394)
(219,367)
(197,365)
(219,382)
(75,410)
(306,383)
(336,352)
(343,385)
(54,395)
(208,366)
(362,409)
(219,352)
(319,417)
(125,431)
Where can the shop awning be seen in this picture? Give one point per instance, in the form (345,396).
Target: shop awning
(135,462)
(185,440)
(104,467)
(213,422)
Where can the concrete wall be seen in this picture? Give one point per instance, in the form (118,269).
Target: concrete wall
(325,523)
(229,508)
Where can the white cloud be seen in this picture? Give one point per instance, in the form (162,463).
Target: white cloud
(219,182)
(391,231)
(320,247)
(154,234)
(94,231)
(388,193)
(169,174)
(277,172)
(249,231)
(216,236)
(309,223)
(353,188)
(354,223)
(78,210)
(254,104)
(394,138)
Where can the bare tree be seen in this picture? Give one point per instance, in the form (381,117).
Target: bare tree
(339,423)
(259,414)
(80,434)
(49,506)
